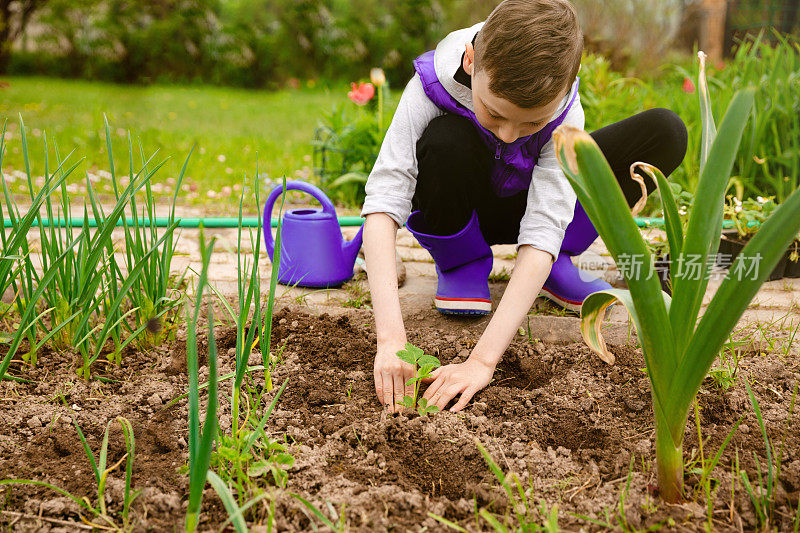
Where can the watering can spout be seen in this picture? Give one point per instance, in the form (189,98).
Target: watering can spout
(350,248)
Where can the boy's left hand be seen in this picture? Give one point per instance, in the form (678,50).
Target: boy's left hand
(465,378)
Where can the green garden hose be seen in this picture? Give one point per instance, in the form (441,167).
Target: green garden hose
(252,222)
(183,222)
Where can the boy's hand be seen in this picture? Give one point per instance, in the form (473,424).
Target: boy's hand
(465,378)
(530,272)
(391,376)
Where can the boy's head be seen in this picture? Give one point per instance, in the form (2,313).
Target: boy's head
(524,62)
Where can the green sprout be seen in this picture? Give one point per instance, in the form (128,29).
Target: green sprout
(423,366)
(101,472)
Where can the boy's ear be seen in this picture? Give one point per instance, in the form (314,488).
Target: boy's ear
(469,59)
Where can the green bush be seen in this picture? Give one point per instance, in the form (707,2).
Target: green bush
(250,43)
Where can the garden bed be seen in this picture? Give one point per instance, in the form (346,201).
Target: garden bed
(577,431)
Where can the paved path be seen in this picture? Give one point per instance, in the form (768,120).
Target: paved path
(771,321)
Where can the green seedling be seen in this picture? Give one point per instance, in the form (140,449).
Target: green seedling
(423,366)
(704,467)
(502,275)
(523,514)
(723,378)
(762,496)
(679,345)
(249,455)
(200,443)
(101,472)
(338,523)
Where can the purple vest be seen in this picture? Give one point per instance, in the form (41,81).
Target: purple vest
(514,162)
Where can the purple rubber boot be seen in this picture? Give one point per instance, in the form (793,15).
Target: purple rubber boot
(568,285)
(463,264)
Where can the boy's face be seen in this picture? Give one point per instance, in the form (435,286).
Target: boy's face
(503,118)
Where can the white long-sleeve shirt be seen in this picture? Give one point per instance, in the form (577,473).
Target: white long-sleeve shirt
(391,184)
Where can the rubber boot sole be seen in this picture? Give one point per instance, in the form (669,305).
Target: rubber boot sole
(462,306)
(570,305)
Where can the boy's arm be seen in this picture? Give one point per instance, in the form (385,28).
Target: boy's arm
(389,191)
(530,272)
(391,374)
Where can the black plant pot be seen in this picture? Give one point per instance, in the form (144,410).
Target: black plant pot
(778,271)
(661,264)
(731,245)
(792,269)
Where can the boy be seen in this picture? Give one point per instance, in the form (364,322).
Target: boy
(470,151)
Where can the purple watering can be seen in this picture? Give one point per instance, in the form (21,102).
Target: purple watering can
(313,252)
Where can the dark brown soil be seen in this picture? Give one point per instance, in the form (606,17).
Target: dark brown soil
(566,423)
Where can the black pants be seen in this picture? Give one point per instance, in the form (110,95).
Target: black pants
(454,169)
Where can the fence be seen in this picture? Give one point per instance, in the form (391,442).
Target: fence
(751,16)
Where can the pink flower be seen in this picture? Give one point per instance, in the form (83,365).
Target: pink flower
(362,93)
(688,86)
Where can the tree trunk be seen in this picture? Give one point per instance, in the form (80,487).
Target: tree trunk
(5,34)
(10,30)
(712,28)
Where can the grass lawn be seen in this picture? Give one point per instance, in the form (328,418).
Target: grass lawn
(231,128)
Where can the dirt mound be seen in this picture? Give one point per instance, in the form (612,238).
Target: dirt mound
(576,431)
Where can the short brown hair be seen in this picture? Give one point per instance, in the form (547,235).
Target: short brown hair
(531,50)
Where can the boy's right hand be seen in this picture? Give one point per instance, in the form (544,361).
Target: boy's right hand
(391,376)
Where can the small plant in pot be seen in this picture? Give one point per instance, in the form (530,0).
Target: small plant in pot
(747,217)
(659,247)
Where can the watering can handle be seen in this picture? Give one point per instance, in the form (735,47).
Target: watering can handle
(316,192)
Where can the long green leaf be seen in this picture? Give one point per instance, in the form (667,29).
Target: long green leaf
(672,220)
(261,423)
(732,298)
(583,162)
(75,499)
(199,468)
(709,129)
(224,493)
(266,338)
(593,314)
(316,512)
(130,445)
(88,451)
(689,286)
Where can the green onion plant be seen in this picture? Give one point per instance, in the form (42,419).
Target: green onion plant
(247,454)
(762,496)
(88,280)
(17,270)
(200,442)
(153,293)
(678,350)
